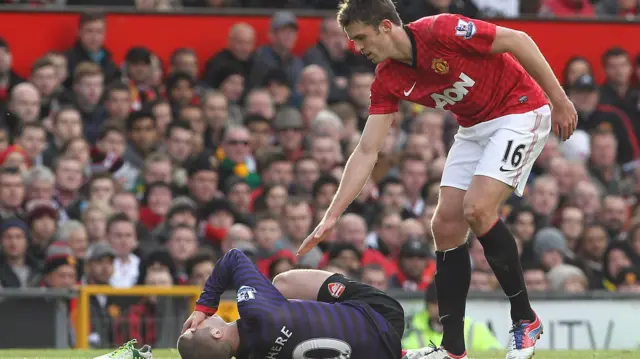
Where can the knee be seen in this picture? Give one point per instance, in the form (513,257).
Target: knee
(476,213)
(448,232)
(282,281)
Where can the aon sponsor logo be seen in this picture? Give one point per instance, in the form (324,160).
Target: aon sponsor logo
(454,94)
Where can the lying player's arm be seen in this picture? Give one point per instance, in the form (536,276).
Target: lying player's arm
(525,50)
(235,270)
(360,163)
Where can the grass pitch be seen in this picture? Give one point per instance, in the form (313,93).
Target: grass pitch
(173,354)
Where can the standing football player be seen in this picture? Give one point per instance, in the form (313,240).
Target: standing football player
(494,80)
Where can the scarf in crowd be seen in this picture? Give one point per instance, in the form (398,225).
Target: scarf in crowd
(140,96)
(241,170)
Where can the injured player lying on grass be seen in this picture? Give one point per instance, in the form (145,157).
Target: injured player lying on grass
(302,314)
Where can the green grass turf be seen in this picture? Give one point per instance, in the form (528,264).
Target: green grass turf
(172,354)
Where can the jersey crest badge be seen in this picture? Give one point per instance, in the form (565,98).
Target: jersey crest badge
(246,293)
(465,29)
(440,66)
(336,289)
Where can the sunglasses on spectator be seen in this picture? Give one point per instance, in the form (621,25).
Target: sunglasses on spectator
(238,142)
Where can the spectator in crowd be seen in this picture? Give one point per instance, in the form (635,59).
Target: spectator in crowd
(617,90)
(18,268)
(98,271)
(331,53)
(428,329)
(604,170)
(200,266)
(550,247)
(602,117)
(416,267)
(567,8)
(8,78)
(567,279)
(375,276)
(12,191)
(182,244)
(23,106)
(88,87)
(92,29)
(41,219)
(576,67)
(535,279)
(32,137)
(239,54)
(43,77)
(283,36)
(121,234)
(140,75)
(621,8)
(297,219)
(60,267)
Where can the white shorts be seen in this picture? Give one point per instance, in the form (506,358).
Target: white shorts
(504,148)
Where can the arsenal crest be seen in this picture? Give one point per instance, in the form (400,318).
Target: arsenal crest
(440,66)
(336,289)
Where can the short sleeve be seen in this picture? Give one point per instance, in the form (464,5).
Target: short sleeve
(382,101)
(459,33)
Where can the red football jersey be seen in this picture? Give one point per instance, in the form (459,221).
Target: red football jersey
(453,69)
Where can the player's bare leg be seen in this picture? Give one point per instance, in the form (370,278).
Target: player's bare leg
(301,284)
(453,277)
(481,204)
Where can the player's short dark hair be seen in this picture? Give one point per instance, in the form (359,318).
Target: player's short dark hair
(200,344)
(613,52)
(369,12)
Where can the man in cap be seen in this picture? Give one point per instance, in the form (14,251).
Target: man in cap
(41,218)
(278,54)
(289,132)
(60,267)
(594,116)
(416,267)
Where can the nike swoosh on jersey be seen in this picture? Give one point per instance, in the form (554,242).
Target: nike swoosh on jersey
(407,93)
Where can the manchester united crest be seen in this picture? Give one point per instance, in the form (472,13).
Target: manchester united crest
(440,66)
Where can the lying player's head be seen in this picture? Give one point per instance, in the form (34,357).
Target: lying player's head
(213,339)
(369,24)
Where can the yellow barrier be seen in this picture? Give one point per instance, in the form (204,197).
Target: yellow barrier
(82,316)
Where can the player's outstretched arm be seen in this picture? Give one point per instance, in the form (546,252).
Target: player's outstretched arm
(356,173)
(525,50)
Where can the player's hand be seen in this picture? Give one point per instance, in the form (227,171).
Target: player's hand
(193,321)
(564,119)
(318,235)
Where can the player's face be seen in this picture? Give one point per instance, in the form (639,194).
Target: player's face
(369,41)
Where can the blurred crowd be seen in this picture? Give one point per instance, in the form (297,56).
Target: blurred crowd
(144,174)
(409,9)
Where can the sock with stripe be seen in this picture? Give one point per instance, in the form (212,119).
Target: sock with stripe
(501,252)
(452,283)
